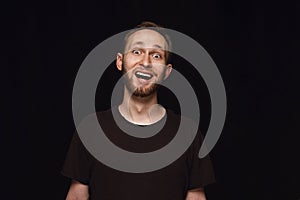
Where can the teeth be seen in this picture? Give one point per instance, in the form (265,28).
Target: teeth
(142,74)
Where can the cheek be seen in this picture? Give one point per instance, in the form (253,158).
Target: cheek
(129,63)
(160,68)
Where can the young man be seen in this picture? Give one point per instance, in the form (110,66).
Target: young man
(144,64)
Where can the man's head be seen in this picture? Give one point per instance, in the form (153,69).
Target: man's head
(144,60)
(151,26)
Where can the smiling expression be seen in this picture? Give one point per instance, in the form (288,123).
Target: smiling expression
(144,62)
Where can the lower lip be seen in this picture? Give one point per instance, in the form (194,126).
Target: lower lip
(143,81)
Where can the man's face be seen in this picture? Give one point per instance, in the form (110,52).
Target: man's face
(144,62)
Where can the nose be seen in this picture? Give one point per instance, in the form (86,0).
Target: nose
(146,61)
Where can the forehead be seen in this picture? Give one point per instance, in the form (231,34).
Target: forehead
(146,38)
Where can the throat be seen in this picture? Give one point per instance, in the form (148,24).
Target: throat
(142,116)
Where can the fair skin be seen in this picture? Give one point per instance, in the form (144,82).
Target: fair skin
(78,191)
(144,54)
(144,61)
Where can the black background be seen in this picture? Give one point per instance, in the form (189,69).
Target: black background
(254,44)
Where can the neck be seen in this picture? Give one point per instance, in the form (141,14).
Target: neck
(141,110)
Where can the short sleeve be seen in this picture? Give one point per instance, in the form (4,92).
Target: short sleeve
(201,170)
(77,165)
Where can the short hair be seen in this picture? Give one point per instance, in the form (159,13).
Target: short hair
(155,27)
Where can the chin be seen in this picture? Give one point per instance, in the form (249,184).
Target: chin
(145,92)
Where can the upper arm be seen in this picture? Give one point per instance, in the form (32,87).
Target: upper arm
(196,194)
(78,191)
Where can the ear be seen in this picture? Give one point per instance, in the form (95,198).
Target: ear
(168,71)
(119,61)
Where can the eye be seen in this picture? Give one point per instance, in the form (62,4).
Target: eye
(156,56)
(136,51)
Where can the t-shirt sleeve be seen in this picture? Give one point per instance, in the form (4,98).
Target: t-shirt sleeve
(77,165)
(201,170)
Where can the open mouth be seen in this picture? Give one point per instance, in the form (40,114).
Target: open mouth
(143,75)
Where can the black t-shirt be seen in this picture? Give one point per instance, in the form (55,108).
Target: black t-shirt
(169,183)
